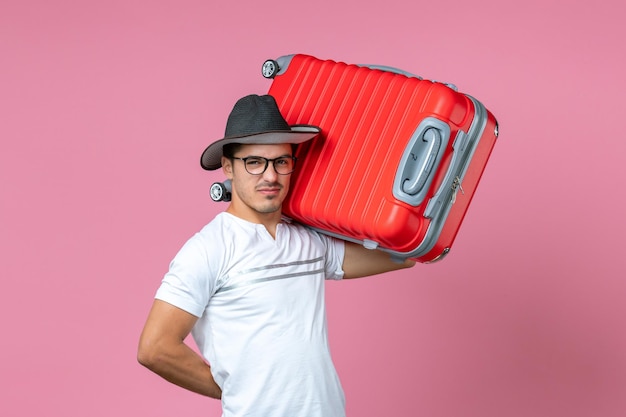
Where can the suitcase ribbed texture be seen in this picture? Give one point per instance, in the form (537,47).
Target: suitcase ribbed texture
(367,117)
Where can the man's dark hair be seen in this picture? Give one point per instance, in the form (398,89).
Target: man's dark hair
(230,149)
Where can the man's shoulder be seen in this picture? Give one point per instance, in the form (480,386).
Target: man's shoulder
(212,233)
(222,221)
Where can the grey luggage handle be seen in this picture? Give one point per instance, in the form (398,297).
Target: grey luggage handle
(420,165)
(391,69)
(420,159)
(408,74)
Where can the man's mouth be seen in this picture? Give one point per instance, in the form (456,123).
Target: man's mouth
(269,189)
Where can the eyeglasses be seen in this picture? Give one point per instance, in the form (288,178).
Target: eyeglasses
(256,165)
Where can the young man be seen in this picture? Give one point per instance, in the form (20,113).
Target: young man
(249,285)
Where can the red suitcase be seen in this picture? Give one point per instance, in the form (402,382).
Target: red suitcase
(398,160)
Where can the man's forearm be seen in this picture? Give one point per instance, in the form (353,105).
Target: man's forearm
(362,262)
(182,366)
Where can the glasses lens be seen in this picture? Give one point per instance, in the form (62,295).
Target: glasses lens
(284,165)
(255,166)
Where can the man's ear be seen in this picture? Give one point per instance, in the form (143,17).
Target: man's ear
(227,167)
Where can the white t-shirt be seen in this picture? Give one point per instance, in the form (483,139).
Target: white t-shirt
(262,319)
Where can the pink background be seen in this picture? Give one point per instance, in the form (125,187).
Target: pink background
(105,107)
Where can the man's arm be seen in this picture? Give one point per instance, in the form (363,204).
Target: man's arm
(360,262)
(163,351)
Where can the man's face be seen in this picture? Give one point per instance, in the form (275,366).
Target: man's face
(257,194)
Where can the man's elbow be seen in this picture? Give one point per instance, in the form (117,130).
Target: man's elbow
(148,353)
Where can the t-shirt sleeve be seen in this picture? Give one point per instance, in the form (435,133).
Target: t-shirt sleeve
(335,251)
(188,284)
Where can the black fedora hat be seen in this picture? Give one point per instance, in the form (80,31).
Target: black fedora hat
(255,120)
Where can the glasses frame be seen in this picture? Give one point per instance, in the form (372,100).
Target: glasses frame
(267,163)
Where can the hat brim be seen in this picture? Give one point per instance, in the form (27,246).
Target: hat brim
(211,158)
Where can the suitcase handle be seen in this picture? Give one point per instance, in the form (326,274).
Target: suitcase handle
(408,74)
(420,160)
(391,69)
(420,164)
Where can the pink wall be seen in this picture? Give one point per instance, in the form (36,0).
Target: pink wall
(106,106)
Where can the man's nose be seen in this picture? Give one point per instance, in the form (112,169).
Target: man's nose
(270,173)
